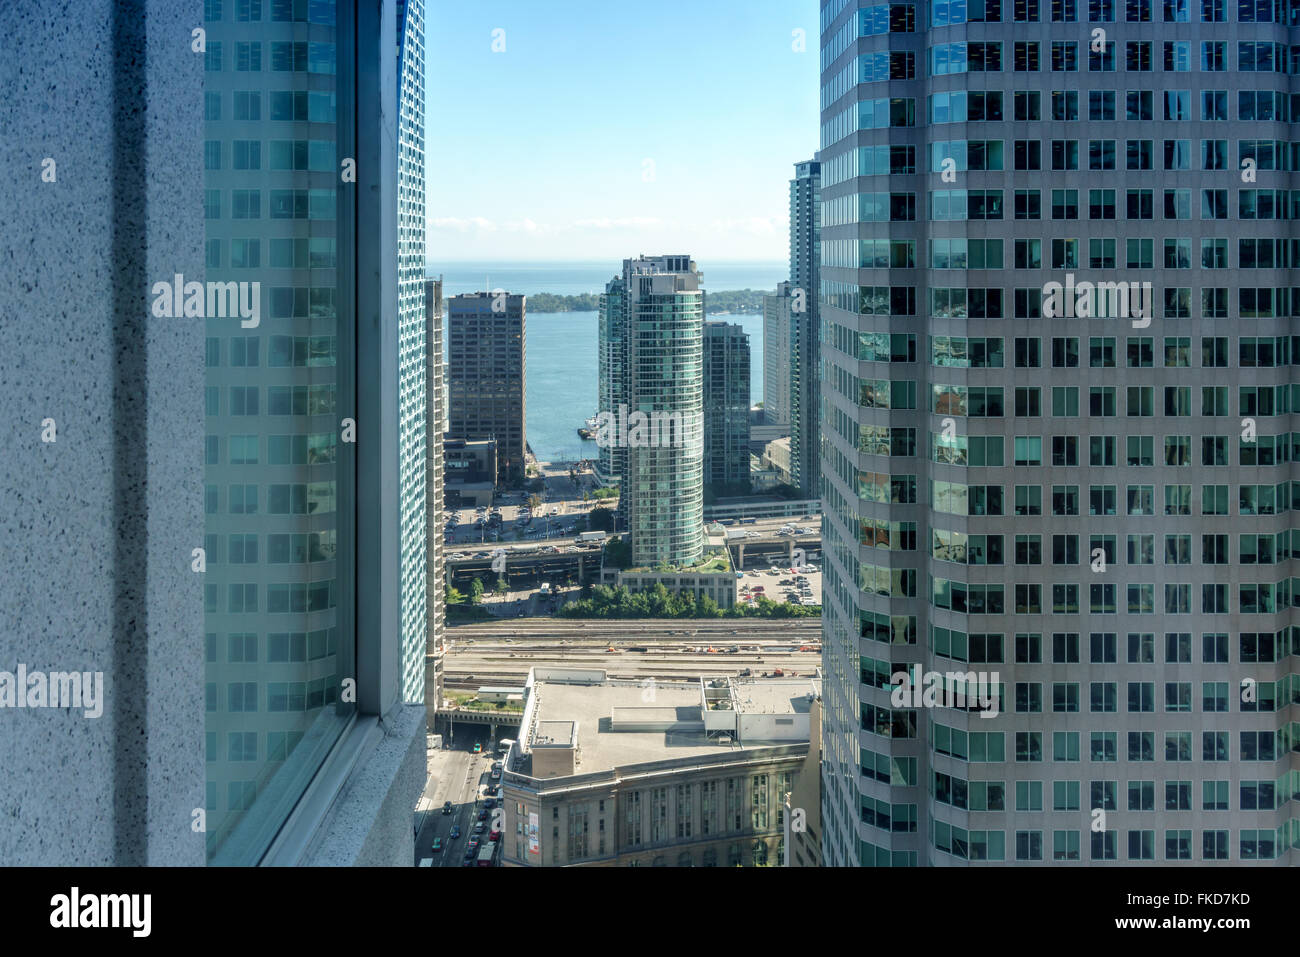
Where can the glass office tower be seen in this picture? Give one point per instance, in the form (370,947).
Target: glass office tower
(278,471)
(726,408)
(1086,493)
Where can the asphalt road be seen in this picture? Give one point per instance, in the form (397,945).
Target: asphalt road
(456,775)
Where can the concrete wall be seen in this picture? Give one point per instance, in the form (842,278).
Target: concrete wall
(98,525)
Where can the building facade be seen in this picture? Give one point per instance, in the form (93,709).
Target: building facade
(726,408)
(416,405)
(275,654)
(593,780)
(778,349)
(434,492)
(486,375)
(315,404)
(471,471)
(805,332)
(1124,582)
(612,382)
(652,366)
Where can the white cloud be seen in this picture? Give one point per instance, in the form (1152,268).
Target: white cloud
(622,222)
(472,224)
(752,225)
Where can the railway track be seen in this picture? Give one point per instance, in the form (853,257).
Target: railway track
(736,629)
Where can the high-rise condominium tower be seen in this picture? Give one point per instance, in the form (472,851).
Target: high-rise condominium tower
(726,408)
(485,374)
(1081,489)
(805,233)
(778,332)
(651,360)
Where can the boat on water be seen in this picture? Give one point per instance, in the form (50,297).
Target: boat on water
(588,429)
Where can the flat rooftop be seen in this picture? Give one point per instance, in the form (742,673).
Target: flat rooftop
(771,696)
(622,723)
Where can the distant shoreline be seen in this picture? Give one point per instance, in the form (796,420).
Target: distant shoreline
(733,302)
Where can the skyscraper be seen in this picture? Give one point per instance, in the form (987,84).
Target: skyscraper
(778,335)
(726,408)
(651,354)
(1118,579)
(281,160)
(414,400)
(612,365)
(805,233)
(435,514)
(486,375)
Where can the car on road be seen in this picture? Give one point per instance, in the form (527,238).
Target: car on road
(482,815)
(493,789)
(494,835)
(446,807)
(478,748)
(479,828)
(455,831)
(437,844)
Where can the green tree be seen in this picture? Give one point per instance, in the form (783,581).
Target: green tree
(476,591)
(453,595)
(500,588)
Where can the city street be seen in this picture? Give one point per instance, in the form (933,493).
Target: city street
(457,775)
(562,512)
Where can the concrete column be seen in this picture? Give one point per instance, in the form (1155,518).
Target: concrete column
(102,197)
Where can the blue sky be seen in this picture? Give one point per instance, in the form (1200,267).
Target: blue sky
(607,128)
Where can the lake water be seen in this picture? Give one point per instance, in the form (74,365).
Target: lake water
(562,376)
(562,373)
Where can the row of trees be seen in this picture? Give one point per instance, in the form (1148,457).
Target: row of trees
(476,589)
(659,602)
